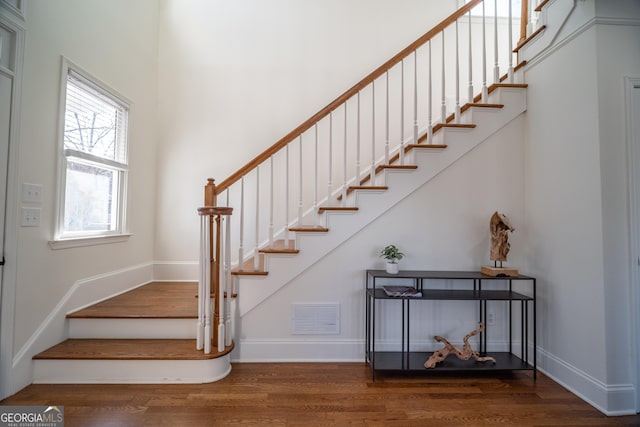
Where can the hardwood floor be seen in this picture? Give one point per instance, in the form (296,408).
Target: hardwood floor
(331,394)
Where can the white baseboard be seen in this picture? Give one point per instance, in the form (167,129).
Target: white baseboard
(165,271)
(610,399)
(298,351)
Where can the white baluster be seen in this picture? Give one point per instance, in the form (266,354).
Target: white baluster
(444,96)
(271,201)
(256,253)
(241,236)
(510,44)
(330,172)
(372,172)
(529,17)
(229,331)
(221,292)
(430,101)
(358,143)
(485,90)
(457,110)
(344,159)
(415,103)
(401,152)
(387,144)
(286,199)
(496,67)
(300,182)
(201,295)
(316,177)
(470,92)
(207,289)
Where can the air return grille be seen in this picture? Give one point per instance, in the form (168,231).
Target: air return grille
(316,319)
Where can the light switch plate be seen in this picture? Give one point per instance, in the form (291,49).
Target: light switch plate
(30,217)
(31,193)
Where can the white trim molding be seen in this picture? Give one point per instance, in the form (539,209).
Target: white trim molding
(633,159)
(9,271)
(610,399)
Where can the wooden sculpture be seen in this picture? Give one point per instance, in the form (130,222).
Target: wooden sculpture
(499,227)
(465,354)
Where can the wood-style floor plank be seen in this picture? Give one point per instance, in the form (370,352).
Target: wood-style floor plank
(173,300)
(331,394)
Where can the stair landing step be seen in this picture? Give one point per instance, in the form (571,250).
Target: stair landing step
(128,349)
(166,300)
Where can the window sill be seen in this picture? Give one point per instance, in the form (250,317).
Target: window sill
(88,241)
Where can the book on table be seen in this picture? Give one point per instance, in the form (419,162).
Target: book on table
(401,291)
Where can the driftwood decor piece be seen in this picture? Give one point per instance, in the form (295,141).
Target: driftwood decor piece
(499,227)
(465,354)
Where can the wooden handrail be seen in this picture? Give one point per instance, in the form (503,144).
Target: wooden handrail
(219,188)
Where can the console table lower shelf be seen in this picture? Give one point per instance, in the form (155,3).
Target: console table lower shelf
(414,362)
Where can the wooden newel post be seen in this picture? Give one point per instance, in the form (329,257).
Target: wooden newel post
(210,193)
(214,259)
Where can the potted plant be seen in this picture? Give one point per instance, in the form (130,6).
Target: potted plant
(392,254)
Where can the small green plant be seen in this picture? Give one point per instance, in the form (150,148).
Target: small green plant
(392,254)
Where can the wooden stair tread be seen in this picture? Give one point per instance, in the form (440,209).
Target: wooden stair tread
(453,126)
(480,105)
(398,167)
(278,248)
(128,349)
(309,229)
(368,187)
(156,300)
(337,208)
(429,146)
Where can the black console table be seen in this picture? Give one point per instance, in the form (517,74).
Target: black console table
(413,361)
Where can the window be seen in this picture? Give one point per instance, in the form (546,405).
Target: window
(94,158)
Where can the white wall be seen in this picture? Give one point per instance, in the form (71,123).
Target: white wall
(115,41)
(235,77)
(576,203)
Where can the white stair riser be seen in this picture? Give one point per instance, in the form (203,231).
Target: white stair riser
(130,371)
(132,328)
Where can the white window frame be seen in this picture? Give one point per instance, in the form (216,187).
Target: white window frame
(64,239)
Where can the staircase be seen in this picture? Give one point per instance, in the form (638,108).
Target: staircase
(149,334)
(365,203)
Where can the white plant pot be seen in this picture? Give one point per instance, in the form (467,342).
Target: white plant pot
(392,267)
